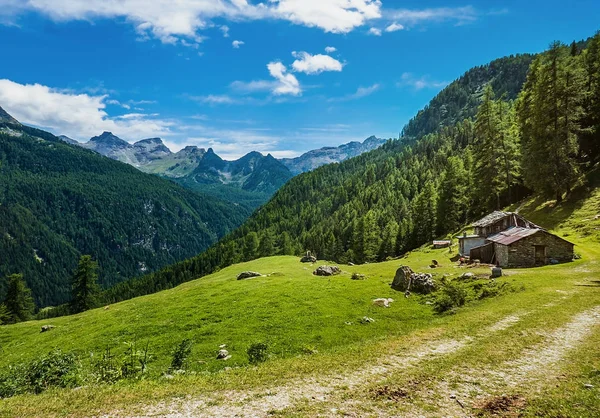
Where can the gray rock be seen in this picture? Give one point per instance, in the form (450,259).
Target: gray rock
(308,258)
(223,354)
(383,302)
(366,320)
(327,271)
(358,276)
(46,328)
(247,275)
(407,280)
(496,272)
(468,276)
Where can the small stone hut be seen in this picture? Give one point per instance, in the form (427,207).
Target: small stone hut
(529,247)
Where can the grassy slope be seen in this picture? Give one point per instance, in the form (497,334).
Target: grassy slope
(294,312)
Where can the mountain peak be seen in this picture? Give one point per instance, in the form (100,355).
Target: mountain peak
(108,138)
(6,118)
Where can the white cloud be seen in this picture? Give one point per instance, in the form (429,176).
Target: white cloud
(225,30)
(253,86)
(214,99)
(375,31)
(394,27)
(237,44)
(359,94)
(330,49)
(170,23)
(79,116)
(337,16)
(419,83)
(315,64)
(286,83)
(460,15)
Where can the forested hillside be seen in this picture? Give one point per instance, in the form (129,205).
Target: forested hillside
(58,201)
(392,199)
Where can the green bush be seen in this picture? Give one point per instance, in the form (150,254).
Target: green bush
(181,354)
(56,369)
(258,353)
(449,297)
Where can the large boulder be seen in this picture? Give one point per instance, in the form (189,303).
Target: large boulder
(247,275)
(407,280)
(327,271)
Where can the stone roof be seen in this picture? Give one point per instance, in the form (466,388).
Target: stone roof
(492,218)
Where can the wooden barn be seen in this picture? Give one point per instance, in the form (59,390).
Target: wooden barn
(512,241)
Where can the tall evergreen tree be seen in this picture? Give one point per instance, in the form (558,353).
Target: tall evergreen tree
(550,103)
(453,196)
(251,244)
(18,301)
(4,314)
(590,120)
(85,289)
(425,215)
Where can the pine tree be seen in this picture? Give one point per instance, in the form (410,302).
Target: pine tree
(251,246)
(486,152)
(266,248)
(453,197)
(425,215)
(18,302)
(4,314)
(549,107)
(590,120)
(85,289)
(371,237)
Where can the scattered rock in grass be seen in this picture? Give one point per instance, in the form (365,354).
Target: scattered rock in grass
(501,406)
(588,386)
(496,272)
(358,276)
(308,258)
(223,346)
(348,323)
(597,217)
(366,320)
(406,279)
(248,275)
(46,328)
(327,271)
(434,264)
(223,354)
(468,276)
(383,302)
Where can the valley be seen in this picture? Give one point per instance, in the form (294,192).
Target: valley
(206,253)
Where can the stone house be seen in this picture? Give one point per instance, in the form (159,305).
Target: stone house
(509,240)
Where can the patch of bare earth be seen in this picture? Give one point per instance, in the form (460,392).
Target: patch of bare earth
(320,389)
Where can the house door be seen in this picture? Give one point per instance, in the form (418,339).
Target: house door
(540,255)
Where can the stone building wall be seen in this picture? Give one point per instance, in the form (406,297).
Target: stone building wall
(501,254)
(522,252)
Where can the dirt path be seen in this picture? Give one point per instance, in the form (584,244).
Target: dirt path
(321,389)
(454,394)
(462,391)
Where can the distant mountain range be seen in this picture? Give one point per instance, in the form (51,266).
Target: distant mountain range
(250,180)
(59,201)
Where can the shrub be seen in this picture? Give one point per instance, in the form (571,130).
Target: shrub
(181,354)
(257,353)
(451,296)
(57,369)
(106,368)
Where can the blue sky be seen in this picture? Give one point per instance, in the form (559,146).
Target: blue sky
(282,76)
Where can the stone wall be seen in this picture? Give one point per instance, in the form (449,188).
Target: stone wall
(501,255)
(522,252)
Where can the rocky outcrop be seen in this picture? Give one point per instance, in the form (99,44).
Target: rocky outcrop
(46,328)
(407,280)
(327,271)
(248,275)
